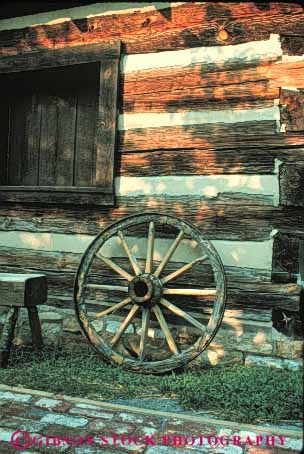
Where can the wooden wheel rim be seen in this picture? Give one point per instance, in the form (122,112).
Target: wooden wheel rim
(177,360)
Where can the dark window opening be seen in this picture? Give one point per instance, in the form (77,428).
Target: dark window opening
(57,127)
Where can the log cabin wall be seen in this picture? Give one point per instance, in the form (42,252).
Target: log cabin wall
(210,129)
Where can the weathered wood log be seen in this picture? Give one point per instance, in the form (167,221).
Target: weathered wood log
(255,220)
(255,215)
(193,137)
(61,300)
(195,98)
(195,162)
(68,262)
(292,185)
(207,85)
(201,75)
(271,296)
(196,135)
(286,74)
(59,57)
(239,311)
(278,296)
(246,287)
(290,155)
(51,195)
(183,26)
(193,76)
(285,296)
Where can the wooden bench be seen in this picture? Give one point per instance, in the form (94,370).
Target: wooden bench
(17,291)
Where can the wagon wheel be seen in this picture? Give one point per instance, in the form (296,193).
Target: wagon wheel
(128,278)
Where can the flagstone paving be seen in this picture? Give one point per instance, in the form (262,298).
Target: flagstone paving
(37,422)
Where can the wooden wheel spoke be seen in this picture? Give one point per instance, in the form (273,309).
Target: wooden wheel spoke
(166,330)
(183,269)
(150,248)
(144,333)
(132,258)
(125,324)
(180,313)
(115,267)
(137,292)
(114,288)
(169,254)
(190,291)
(111,309)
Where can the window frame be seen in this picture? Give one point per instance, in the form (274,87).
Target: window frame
(108,56)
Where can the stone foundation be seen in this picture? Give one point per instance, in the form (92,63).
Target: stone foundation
(237,341)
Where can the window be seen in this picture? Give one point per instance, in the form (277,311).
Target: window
(58,125)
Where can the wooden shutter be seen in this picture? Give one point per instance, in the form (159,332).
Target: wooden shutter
(59,125)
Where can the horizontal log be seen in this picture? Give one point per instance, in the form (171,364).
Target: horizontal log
(237,31)
(64,301)
(193,76)
(280,73)
(215,219)
(68,262)
(280,296)
(238,302)
(230,216)
(246,287)
(276,296)
(30,194)
(290,155)
(286,73)
(179,27)
(195,137)
(51,261)
(196,87)
(188,99)
(59,57)
(222,105)
(195,162)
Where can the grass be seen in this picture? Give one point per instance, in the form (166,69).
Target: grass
(238,393)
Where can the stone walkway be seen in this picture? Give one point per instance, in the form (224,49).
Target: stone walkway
(40,422)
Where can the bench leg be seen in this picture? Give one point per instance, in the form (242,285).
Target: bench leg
(8,335)
(35,328)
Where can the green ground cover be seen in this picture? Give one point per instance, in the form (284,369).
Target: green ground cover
(238,393)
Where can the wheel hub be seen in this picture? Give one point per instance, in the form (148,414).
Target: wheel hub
(145,290)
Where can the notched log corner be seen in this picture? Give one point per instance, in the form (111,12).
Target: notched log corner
(291,178)
(285,257)
(292,109)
